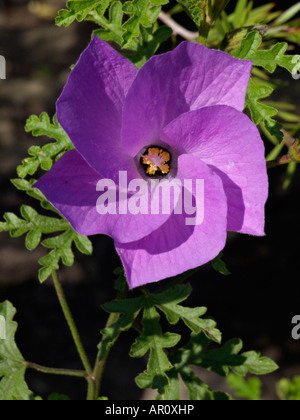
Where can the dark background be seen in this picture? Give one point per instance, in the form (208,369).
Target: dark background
(256,303)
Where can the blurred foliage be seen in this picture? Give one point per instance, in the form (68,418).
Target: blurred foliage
(289,389)
(251,388)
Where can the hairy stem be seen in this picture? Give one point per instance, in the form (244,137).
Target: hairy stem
(176,28)
(56,371)
(283,160)
(100,364)
(71,323)
(94,390)
(203,33)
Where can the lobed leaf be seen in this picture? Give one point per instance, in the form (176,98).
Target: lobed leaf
(198,390)
(129,310)
(196,9)
(261,112)
(268,59)
(61,250)
(150,40)
(219,265)
(168,301)
(154,341)
(225,359)
(112,27)
(12,363)
(143,13)
(79,10)
(33,224)
(248,389)
(43,156)
(28,187)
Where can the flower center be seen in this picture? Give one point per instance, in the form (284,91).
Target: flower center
(155,161)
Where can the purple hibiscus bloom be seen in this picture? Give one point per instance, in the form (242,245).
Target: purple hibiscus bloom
(179,116)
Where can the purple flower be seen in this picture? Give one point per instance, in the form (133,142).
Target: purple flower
(179,116)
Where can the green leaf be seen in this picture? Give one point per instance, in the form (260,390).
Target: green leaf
(260,111)
(239,13)
(154,341)
(43,156)
(288,14)
(168,301)
(248,389)
(255,364)
(204,12)
(143,13)
(121,284)
(196,9)
(223,359)
(290,172)
(112,27)
(129,308)
(198,390)
(219,265)
(260,15)
(172,390)
(12,364)
(268,59)
(83,244)
(215,7)
(79,10)
(143,49)
(28,187)
(289,389)
(61,250)
(33,224)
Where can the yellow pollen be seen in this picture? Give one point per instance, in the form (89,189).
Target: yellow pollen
(156,159)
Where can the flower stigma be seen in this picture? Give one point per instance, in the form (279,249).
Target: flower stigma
(155,161)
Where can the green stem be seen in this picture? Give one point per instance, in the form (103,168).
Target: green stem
(71,323)
(56,371)
(94,391)
(203,33)
(100,364)
(283,160)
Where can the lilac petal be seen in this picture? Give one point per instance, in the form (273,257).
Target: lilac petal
(176,247)
(90,107)
(187,78)
(70,186)
(230,143)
